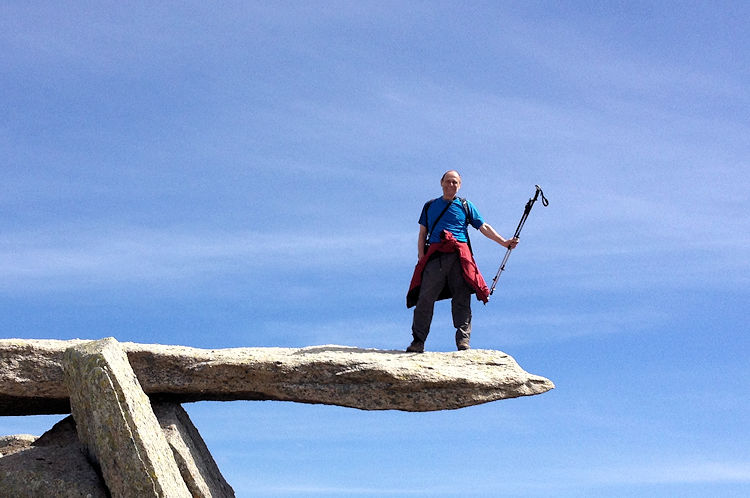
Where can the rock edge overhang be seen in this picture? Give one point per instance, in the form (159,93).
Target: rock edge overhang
(31,378)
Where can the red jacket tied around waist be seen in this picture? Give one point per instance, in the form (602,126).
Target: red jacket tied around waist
(469,268)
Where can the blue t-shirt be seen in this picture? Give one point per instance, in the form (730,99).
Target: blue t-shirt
(454,219)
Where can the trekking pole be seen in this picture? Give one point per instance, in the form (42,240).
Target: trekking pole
(526,212)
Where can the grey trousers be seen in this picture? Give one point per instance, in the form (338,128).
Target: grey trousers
(443,269)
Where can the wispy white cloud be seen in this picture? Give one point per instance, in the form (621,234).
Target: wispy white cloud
(547,481)
(369,332)
(553,326)
(313,489)
(673,472)
(78,257)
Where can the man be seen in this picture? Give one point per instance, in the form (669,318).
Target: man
(446,266)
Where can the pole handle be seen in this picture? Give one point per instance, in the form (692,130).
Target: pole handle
(539,191)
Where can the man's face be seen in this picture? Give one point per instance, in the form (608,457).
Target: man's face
(451,182)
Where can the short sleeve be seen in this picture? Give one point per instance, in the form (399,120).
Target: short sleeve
(476,219)
(423,216)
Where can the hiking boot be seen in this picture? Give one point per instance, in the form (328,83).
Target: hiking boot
(463,345)
(416,346)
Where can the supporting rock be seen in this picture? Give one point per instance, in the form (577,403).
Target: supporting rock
(53,465)
(56,463)
(197,466)
(116,425)
(17,442)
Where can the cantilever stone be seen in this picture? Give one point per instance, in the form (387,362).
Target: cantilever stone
(31,378)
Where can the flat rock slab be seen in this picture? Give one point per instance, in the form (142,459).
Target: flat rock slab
(31,380)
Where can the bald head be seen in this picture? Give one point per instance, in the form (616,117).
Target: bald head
(450,183)
(450,171)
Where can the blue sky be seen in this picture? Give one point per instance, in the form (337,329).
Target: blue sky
(251,174)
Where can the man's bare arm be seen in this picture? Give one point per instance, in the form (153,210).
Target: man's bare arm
(491,234)
(421,240)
